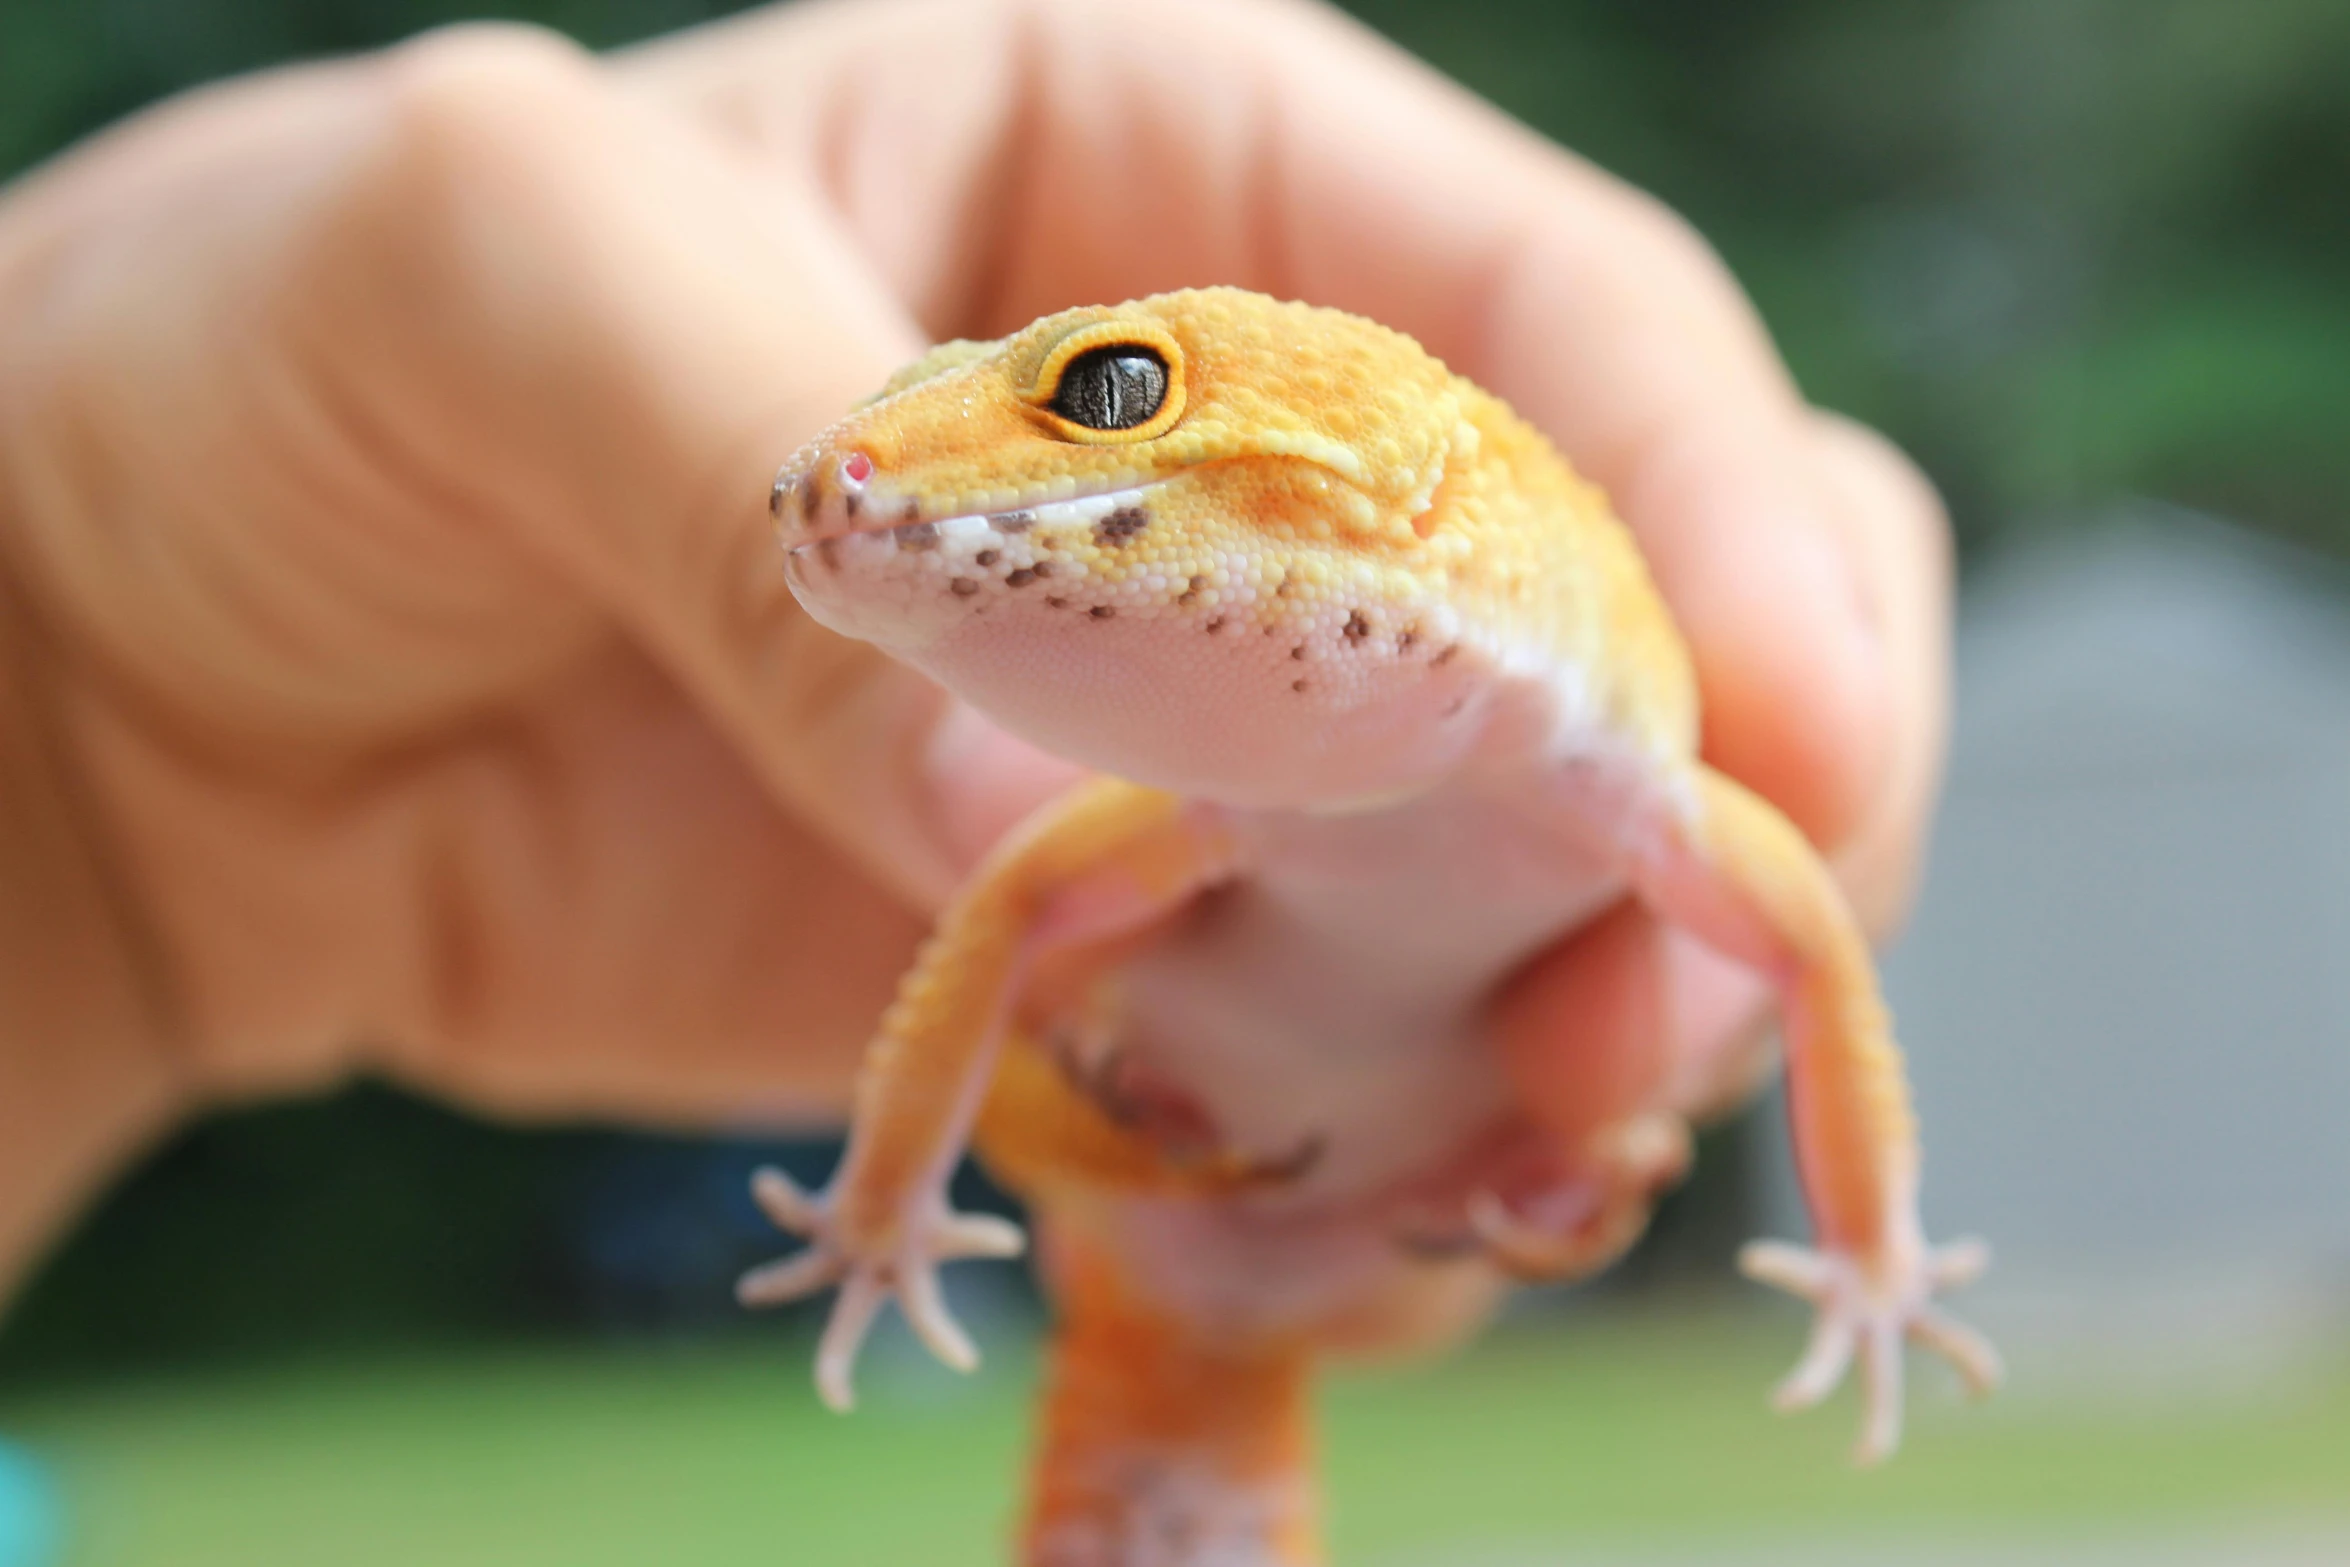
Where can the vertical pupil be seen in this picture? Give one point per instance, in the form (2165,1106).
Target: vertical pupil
(1112,388)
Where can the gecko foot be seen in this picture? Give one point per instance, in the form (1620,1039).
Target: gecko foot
(1146,1103)
(1860,1312)
(1600,1210)
(905,1265)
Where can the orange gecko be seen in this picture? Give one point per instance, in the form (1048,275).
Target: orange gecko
(1385,705)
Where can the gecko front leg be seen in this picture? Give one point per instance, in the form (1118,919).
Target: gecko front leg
(1729,868)
(1713,859)
(1105,859)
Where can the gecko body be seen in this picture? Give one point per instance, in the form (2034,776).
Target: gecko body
(1385,705)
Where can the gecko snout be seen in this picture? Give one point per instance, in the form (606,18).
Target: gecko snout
(821,493)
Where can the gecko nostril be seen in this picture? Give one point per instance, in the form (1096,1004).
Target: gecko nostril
(855,469)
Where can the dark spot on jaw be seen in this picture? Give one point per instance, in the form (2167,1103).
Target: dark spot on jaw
(1356,627)
(1215,625)
(828,551)
(986,558)
(1056,601)
(1405,638)
(921,536)
(912,513)
(1020,577)
(1297,685)
(812,490)
(1121,525)
(1445,657)
(1101,612)
(1190,591)
(1453,708)
(1282,591)
(776,498)
(1012,522)
(1298,652)
(963,587)
(851,504)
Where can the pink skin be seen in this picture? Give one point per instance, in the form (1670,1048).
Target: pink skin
(1415,826)
(1259,703)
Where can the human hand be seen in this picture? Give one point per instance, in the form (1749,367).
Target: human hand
(383,458)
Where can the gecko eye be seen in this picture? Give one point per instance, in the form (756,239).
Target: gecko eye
(1114,387)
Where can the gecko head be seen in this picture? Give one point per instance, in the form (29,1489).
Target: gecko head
(1187,539)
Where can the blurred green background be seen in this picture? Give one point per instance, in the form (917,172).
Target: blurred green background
(2064,251)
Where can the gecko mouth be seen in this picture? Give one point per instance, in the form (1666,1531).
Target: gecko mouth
(1110,518)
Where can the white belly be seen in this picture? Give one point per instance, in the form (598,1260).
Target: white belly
(1339,994)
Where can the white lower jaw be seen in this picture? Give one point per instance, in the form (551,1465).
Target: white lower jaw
(1215,686)
(900,588)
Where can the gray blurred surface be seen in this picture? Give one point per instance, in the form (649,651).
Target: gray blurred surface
(2126,992)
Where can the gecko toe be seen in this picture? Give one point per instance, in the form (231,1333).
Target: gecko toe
(793,1278)
(861,1296)
(978,1235)
(926,1313)
(787,1206)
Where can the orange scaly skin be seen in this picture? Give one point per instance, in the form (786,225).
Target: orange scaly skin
(1400,709)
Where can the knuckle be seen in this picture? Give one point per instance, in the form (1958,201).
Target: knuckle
(481,75)
(482,112)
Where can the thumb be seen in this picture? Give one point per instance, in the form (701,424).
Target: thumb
(645,328)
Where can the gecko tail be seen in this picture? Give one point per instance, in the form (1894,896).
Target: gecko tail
(1160,1449)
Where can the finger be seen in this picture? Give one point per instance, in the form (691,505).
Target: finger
(388,427)
(620,922)
(1626,1018)
(646,333)
(1898,538)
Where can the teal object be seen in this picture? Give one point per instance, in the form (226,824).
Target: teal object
(29,1514)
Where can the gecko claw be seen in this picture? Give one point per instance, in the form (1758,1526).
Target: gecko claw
(869,1273)
(1865,1316)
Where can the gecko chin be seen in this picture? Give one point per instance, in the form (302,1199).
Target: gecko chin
(1202,660)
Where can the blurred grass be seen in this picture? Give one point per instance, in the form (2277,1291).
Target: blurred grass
(1544,1438)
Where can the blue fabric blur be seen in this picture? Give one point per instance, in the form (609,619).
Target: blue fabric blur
(29,1514)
